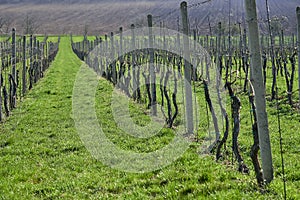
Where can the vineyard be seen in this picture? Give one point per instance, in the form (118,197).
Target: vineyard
(212,116)
(23,62)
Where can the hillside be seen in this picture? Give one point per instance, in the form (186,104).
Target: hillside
(62,1)
(98,17)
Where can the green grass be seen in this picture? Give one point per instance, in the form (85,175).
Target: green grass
(79,38)
(42,156)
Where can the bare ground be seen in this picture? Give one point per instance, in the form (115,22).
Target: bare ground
(104,17)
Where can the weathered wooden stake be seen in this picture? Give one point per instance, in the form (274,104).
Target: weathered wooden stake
(259,88)
(114,71)
(38,57)
(195,37)
(152,70)
(187,70)
(272,52)
(121,56)
(13,55)
(121,44)
(13,86)
(41,51)
(133,64)
(24,67)
(106,41)
(178,42)
(31,63)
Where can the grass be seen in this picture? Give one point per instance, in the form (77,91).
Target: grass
(42,156)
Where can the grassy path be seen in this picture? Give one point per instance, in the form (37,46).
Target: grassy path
(38,144)
(42,156)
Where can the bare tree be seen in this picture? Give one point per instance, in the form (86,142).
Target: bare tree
(5,24)
(30,25)
(2,21)
(140,23)
(86,30)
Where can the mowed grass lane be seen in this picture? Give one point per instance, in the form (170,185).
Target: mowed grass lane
(39,147)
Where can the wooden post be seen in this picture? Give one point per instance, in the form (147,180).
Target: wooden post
(121,44)
(47,53)
(164,37)
(298,45)
(31,63)
(133,63)
(96,41)
(121,56)
(24,67)
(1,89)
(259,88)
(178,42)
(206,59)
(38,57)
(106,58)
(187,70)
(114,71)
(41,51)
(133,40)
(224,42)
(106,42)
(13,82)
(272,52)
(262,44)
(219,36)
(152,70)
(35,49)
(195,38)
(93,42)
(83,46)
(207,43)
(100,49)
(13,55)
